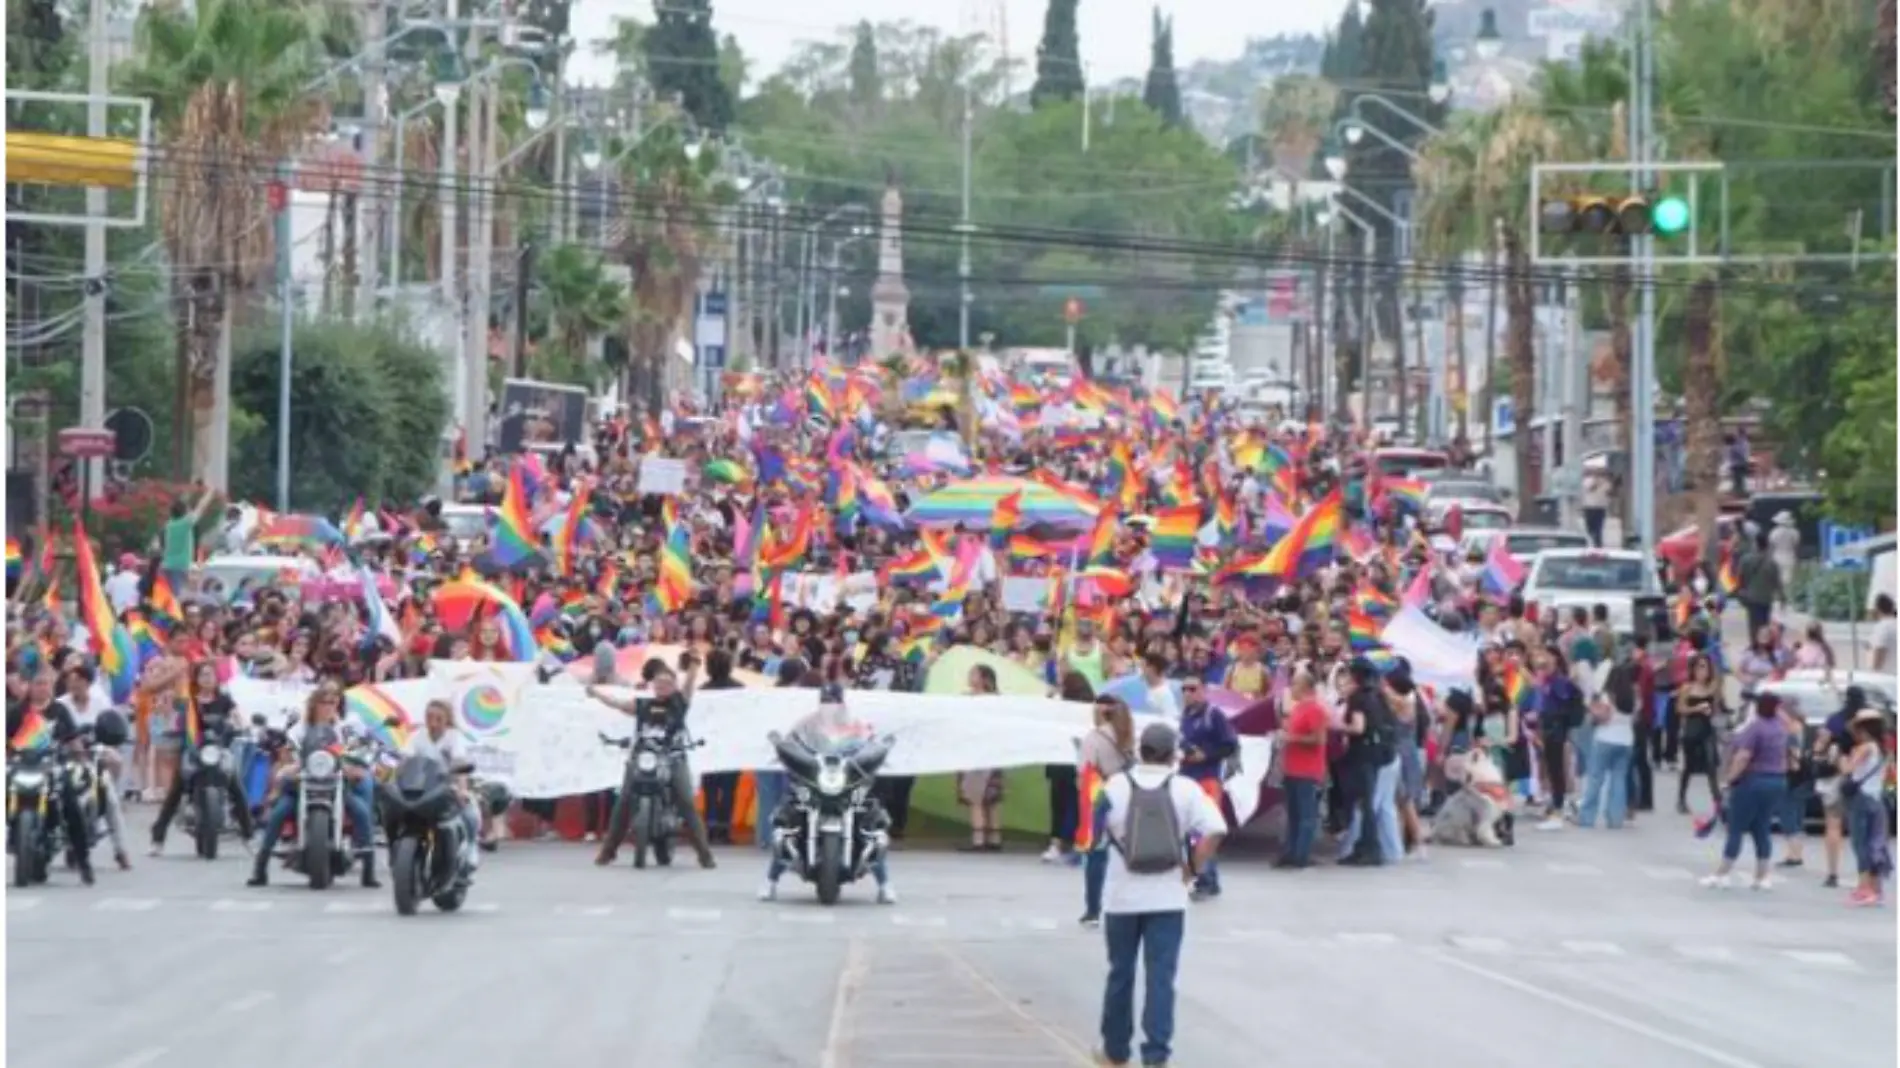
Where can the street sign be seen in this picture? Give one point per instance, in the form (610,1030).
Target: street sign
(1835,538)
(87,444)
(1072,310)
(1503,416)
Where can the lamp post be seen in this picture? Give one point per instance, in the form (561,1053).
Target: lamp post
(808,302)
(1334,212)
(402,137)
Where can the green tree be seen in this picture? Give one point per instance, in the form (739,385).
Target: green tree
(229,85)
(867,83)
(682,62)
(368,408)
(1161,91)
(577,302)
(1058,57)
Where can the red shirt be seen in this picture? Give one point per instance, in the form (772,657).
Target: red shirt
(1305,760)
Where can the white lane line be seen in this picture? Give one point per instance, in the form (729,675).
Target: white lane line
(1481,944)
(1594,949)
(21,904)
(1482,863)
(1367,938)
(143,1057)
(226,904)
(1667,874)
(584,910)
(1712,954)
(127,904)
(1034,923)
(814,919)
(1600,1014)
(1574,869)
(1819,958)
(904,919)
(482,906)
(694,915)
(353,907)
(250,1001)
(837,1034)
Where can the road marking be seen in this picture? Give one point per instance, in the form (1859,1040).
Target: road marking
(694,915)
(1481,944)
(836,1033)
(1482,863)
(251,1001)
(1602,1015)
(143,1057)
(1819,958)
(1574,869)
(226,904)
(811,918)
(1072,1052)
(1594,949)
(1713,954)
(482,906)
(904,919)
(127,904)
(352,907)
(583,910)
(1659,872)
(21,904)
(1033,923)
(1367,938)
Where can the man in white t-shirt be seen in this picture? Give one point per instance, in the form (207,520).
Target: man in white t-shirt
(1144,916)
(1161,697)
(122,589)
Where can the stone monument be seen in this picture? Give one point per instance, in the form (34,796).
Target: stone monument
(890,298)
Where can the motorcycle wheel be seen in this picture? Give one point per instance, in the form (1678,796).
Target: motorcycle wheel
(646,824)
(210,804)
(451,900)
(662,836)
(26,840)
(830,873)
(405,876)
(316,849)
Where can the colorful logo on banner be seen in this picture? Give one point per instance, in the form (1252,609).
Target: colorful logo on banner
(484,710)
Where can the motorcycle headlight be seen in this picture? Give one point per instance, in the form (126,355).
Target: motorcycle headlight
(319,765)
(646,761)
(210,756)
(831,780)
(29,780)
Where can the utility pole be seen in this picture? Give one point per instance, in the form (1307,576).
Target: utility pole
(963,227)
(374,206)
(446,202)
(92,361)
(481,128)
(1576,400)
(1642,447)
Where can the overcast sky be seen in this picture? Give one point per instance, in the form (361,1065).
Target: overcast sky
(1114,33)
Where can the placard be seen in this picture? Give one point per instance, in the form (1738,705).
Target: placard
(663,475)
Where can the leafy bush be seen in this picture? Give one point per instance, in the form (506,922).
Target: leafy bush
(1828,593)
(131,518)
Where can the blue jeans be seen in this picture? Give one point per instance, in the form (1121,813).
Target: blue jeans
(1094,872)
(1385,816)
(1608,780)
(358,803)
(769,788)
(1156,937)
(1302,819)
(1752,805)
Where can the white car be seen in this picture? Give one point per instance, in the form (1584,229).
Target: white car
(231,571)
(1561,579)
(1522,543)
(465,522)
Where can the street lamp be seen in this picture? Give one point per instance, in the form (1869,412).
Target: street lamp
(590,156)
(1490,43)
(536,114)
(1335,157)
(1439,90)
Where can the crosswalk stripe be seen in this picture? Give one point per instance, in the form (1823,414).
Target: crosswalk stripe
(686,915)
(1819,958)
(225,904)
(21,904)
(1713,954)
(1662,873)
(1594,949)
(905,919)
(353,907)
(1482,863)
(583,910)
(807,917)
(127,904)
(1573,869)
(1481,944)
(1367,938)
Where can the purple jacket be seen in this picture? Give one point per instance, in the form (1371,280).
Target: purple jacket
(1206,728)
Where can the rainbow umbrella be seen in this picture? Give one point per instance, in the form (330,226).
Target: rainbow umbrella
(972,502)
(299,532)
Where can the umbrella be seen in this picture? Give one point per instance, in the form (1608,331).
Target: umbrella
(949,674)
(972,501)
(300,531)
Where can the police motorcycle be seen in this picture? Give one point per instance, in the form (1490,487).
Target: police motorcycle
(422,815)
(47,813)
(316,844)
(831,831)
(648,784)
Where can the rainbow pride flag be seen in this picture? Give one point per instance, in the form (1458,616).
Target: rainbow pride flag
(118,657)
(514,536)
(1173,536)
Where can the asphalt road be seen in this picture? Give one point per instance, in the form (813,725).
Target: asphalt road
(1574,948)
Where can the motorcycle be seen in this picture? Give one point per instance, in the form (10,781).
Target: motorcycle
(210,771)
(427,838)
(648,784)
(827,834)
(41,783)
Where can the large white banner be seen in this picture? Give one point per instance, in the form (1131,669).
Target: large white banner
(543,739)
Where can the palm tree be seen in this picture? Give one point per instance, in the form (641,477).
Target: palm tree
(228,82)
(1295,110)
(1702,415)
(670,191)
(579,300)
(1471,178)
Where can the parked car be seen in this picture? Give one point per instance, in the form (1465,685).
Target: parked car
(1817,694)
(1523,543)
(1619,579)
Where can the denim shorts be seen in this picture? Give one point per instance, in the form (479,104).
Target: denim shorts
(1411,773)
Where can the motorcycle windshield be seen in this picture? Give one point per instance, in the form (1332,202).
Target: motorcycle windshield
(813,744)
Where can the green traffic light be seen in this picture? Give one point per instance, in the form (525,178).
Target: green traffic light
(1669,216)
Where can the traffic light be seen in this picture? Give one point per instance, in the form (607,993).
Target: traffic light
(1624,216)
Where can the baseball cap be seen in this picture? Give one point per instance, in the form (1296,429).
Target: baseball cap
(1158,740)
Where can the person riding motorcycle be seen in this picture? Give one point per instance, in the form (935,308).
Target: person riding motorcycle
(90,706)
(38,722)
(217,723)
(320,728)
(666,705)
(439,740)
(835,724)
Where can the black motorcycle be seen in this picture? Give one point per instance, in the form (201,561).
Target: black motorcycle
(210,771)
(45,815)
(648,787)
(831,831)
(427,837)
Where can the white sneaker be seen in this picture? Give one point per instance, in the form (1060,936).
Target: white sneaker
(1717,882)
(1763,884)
(1052,855)
(1552,823)
(886,895)
(768,892)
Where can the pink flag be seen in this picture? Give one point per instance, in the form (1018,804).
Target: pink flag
(1502,573)
(1419,593)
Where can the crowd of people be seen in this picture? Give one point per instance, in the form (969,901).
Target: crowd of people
(1195,567)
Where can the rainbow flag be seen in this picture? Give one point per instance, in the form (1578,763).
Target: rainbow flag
(1108,581)
(145,637)
(1502,573)
(777,555)
(674,586)
(1003,520)
(1276,467)
(194,725)
(353,522)
(1517,689)
(166,611)
(373,708)
(1124,483)
(1373,602)
(1309,545)
(1173,536)
(1101,543)
(914,647)
(1406,494)
(15,559)
(35,732)
(919,565)
(568,537)
(1726,577)
(818,402)
(1089,791)
(458,602)
(1362,631)
(1166,408)
(514,537)
(118,657)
